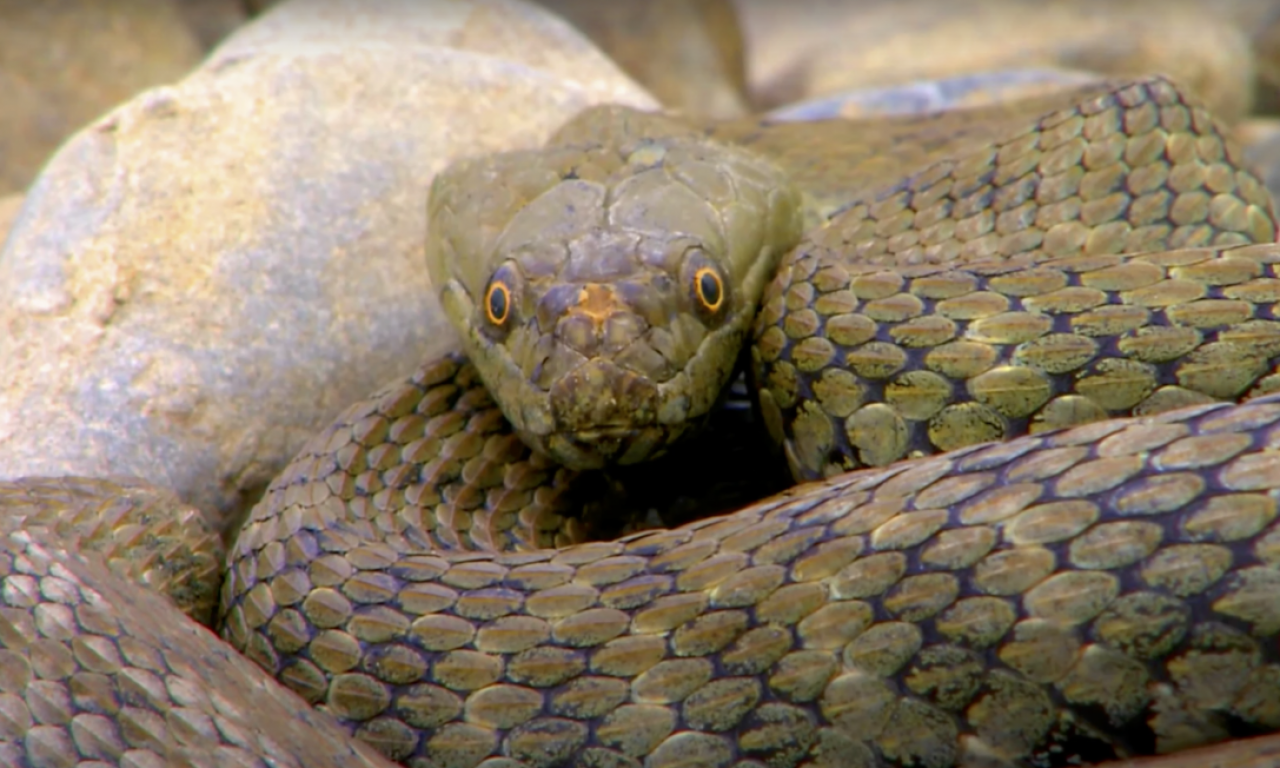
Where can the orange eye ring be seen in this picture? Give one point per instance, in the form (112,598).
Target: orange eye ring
(709,288)
(497,303)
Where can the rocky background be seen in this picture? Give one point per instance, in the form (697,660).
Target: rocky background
(215,208)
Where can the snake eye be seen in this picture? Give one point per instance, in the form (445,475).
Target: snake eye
(708,288)
(497,303)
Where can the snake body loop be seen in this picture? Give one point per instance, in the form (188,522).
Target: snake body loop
(1104,585)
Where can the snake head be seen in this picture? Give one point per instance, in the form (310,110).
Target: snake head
(604,285)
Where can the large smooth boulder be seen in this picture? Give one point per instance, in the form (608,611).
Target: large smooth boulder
(206,275)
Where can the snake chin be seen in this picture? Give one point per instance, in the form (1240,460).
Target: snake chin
(605,446)
(603,414)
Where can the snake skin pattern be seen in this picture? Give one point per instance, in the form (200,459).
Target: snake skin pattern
(95,671)
(145,534)
(986,296)
(1104,588)
(420,578)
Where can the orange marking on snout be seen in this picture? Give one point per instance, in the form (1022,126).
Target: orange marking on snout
(597,302)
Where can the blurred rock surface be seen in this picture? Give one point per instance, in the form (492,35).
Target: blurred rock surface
(64,62)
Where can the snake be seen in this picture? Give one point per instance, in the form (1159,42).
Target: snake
(1019,360)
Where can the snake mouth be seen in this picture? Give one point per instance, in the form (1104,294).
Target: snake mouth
(604,435)
(603,414)
(597,448)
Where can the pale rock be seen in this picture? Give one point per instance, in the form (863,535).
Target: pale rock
(209,273)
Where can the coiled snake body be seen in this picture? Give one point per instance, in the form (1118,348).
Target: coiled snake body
(1102,586)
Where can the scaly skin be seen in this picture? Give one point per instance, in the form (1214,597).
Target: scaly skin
(983,295)
(1111,586)
(1066,596)
(97,671)
(144,534)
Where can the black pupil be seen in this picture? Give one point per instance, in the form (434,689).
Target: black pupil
(498,303)
(709,287)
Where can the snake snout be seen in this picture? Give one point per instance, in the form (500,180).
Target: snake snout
(598,321)
(607,413)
